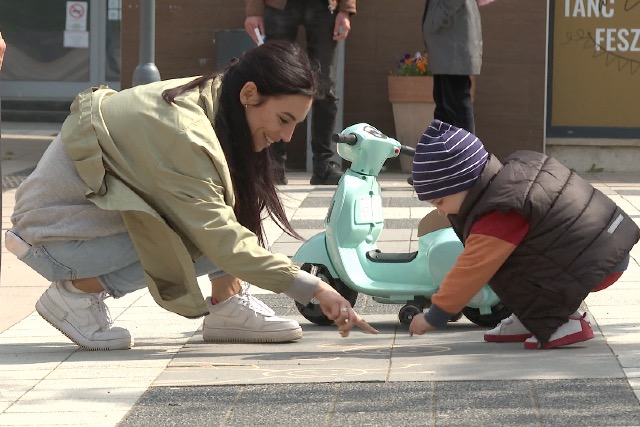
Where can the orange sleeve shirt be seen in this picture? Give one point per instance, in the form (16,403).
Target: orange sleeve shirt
(491,241)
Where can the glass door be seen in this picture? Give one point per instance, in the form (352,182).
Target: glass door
(57,48)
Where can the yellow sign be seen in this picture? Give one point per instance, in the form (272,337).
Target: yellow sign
(595,67)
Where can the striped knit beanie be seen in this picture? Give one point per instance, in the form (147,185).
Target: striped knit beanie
(448,160)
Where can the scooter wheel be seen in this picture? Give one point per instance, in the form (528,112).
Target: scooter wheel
(312,311)
(498,313)
(407,313)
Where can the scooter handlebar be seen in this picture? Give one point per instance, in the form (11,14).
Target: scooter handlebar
(352,139)
(407,151)
(345,138)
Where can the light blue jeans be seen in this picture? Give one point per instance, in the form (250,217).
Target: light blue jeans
(112,260)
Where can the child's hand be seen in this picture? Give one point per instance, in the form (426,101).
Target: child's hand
(419,326)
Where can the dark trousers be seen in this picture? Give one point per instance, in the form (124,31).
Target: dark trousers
(318,22)
(452,95)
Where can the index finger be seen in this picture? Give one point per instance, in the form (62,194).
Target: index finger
(362,324)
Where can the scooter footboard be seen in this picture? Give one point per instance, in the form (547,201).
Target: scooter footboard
(442,248)
(314,251)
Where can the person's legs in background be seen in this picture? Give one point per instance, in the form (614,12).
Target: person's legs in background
(281,25)
(452,96)
(278,152)
(319,23)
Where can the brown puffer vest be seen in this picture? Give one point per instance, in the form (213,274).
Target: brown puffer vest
(577,236)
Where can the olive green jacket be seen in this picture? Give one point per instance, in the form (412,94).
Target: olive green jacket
(256,7)
(163,168)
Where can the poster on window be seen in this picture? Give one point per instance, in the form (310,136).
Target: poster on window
(75,32)
(594,69)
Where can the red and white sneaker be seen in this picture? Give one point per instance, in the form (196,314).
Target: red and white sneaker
(508,330)
(577,329)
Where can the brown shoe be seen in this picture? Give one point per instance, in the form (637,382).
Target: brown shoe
(328,173)
(279,177)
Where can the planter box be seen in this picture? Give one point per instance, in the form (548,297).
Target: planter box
(412,102)
(413,107)
(410,89)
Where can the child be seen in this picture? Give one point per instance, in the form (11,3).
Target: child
(537,233)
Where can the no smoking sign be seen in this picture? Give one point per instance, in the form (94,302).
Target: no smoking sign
(76,15)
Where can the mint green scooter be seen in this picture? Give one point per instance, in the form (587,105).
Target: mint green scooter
(346,255)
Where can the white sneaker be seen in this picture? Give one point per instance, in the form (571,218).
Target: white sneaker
(244,318)
(508,330)
(83,318)
(262,307)
(577,329)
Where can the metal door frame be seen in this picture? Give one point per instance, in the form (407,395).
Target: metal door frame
(63,91)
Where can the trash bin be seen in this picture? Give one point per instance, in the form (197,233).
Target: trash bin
(231,44)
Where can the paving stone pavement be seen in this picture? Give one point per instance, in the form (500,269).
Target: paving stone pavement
(447,378)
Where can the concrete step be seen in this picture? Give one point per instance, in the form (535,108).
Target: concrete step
(35,111)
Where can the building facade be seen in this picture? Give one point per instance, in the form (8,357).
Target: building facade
(561,76)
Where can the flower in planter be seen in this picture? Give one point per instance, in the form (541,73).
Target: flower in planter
(416,65)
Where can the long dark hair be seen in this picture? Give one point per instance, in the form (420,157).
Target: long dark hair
(277,68)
